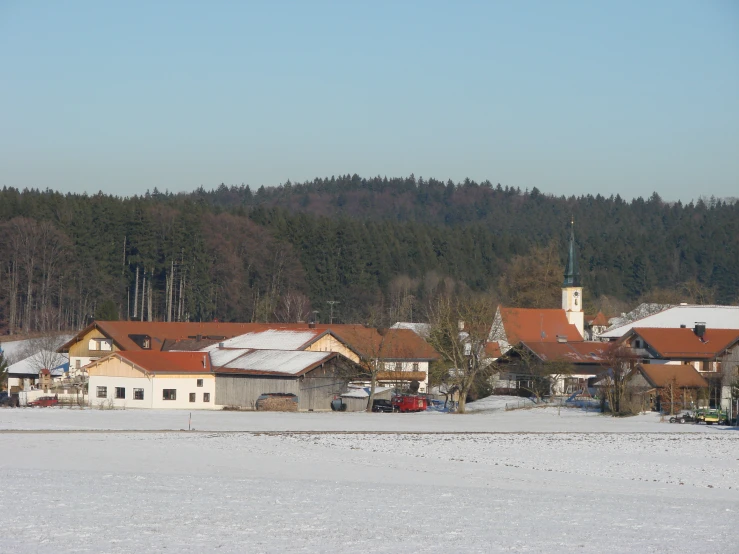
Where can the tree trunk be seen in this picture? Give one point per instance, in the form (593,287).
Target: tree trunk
(136,295)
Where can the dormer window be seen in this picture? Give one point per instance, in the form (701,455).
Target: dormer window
(142,341)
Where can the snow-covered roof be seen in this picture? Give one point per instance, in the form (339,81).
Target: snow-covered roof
(715,317)
(221,356)
(363,392)
(291,362)
(32,364)
(271,339)
(421,329)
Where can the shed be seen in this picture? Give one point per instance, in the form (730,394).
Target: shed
(356,399)
(316,378)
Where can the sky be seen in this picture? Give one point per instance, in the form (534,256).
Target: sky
(583,97)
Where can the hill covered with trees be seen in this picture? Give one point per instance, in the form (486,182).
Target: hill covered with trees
(374,245)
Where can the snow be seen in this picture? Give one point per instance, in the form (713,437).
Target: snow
(220,357)
(493,403)
(538,420)
(363,392)
(715,317)
(659,489)
(273,339)
(14,349)
(30,365)
(281,361)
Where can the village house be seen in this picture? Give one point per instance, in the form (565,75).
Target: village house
(714,353)
(675,317)
(666,387)
(146,379)
(595,326)
(570,367)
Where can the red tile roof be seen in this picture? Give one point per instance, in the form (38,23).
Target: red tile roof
(597,320)
(661,375)
(395,344)
(168,362)
(492,349)
(537,325)
(401,344)
(683,343)
(573,352)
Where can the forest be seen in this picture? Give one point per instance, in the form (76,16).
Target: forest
(371,246)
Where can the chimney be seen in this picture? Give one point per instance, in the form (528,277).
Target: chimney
(683,326)
(699,329)
(312,325)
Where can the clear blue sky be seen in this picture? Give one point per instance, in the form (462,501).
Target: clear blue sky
(571,97)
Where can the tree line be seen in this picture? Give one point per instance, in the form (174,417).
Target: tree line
(279,254)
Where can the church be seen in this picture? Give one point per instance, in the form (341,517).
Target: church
(512,326)
(526,335)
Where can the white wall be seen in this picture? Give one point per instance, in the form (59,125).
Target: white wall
(185,386)
(408,366)
(129,383)
(153,392)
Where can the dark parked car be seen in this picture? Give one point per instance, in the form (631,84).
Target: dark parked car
(683,417)
(386,406)
(44,402)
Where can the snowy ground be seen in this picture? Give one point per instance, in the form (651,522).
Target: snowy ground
(597,484)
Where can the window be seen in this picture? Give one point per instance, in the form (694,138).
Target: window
(106,345)
(120,393)
(169,394)
(138,394)
(398,366)
(206,397)
(77,364)
(93,345)
(102,392)
(415,366)
(200,382)
(192,397)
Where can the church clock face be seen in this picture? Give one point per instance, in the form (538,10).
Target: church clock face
(575,294)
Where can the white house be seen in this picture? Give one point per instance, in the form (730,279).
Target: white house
(150,379)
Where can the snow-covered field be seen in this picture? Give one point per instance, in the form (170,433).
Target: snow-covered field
(595,484)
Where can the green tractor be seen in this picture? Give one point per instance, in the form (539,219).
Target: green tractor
(709,416)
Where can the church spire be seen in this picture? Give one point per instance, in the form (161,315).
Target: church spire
(572,270)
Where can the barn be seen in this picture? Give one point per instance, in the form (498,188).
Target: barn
(316,378)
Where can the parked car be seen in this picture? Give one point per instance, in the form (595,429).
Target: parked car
(683,417)
(44,402)
(385,406)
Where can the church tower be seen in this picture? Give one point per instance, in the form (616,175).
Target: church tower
(572,287)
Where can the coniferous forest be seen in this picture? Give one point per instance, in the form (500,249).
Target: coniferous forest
(387,245)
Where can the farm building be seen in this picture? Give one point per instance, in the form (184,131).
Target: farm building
(242,375)
(356,398)
(174,380)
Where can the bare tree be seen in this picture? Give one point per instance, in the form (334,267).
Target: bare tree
(293,307)
(618,362)
(41,352)
(544,376)
(534,280)
(459,332)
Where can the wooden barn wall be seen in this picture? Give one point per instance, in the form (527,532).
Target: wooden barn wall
(243,390)
(314,390)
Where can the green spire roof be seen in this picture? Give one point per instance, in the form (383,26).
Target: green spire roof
(572,270)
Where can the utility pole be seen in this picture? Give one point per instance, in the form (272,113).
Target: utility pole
(331,311)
